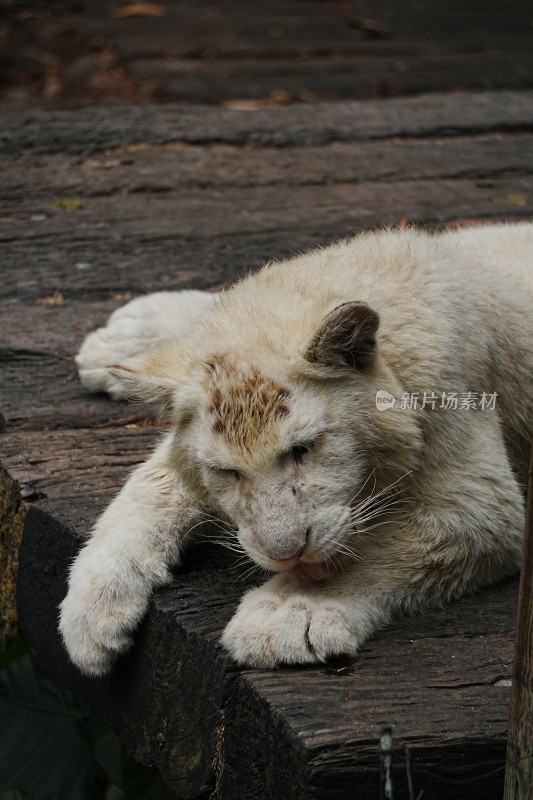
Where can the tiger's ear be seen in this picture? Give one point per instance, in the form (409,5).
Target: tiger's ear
(155,379)
(345,337)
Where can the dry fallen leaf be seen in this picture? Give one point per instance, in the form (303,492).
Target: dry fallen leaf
(140,10)
(372,27)
(138,147)
(277,97)
(517,200)
(56,299)
(245,104)
(466,222)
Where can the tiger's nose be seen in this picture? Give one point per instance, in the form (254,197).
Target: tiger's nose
(285,560)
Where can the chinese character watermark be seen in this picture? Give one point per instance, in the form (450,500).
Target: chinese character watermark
(432,400)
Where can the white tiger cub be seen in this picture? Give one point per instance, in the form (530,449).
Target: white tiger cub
(361,508)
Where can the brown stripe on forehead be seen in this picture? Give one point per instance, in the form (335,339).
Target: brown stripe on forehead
(242,405)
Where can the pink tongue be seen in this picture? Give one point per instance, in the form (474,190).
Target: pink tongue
(308,573)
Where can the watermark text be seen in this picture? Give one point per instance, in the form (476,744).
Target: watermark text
(448,401)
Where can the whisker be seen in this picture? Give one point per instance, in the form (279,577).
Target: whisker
(371,475)
(383,496)
(343,550)
(370,528)
(251,571)
(387,509)
(233,545)
(217,521)
(378,503)
(390,486)
(191,529)
(244,559)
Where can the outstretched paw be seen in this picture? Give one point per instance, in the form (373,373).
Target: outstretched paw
(97,621)
(273,626)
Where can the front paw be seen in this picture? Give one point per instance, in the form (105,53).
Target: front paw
(98,616)
(273,626)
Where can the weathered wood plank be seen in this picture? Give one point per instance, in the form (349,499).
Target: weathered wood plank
(49,331)
(35,388)
(155,169)
(362,75)
(87,131)
(71,464)
(276,28)
(40,388)
(339,713)
(276,201)
(249,210)
(195,239)
(256,210)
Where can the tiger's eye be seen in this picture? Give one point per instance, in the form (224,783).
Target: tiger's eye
(234,474)
(300,450)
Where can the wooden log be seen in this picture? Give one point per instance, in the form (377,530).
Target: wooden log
(89,130)
(153,168)
(236,81)
(11,525)
(519,764)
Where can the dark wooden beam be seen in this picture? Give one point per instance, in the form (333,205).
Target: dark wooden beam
(90,130)
(519,766)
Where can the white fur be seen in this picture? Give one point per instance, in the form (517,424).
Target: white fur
(133,329)
(407,508)
(126,557)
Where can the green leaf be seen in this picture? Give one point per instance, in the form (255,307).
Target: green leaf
(68,203)
(141,783)
(107,748)
(130,779)
(44,738)
(54,747)
(14,794)
(15,649)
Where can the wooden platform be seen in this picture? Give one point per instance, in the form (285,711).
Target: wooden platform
(100,205)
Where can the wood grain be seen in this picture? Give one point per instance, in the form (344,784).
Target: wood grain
(91,130)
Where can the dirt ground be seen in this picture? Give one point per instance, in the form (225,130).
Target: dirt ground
(245,54)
